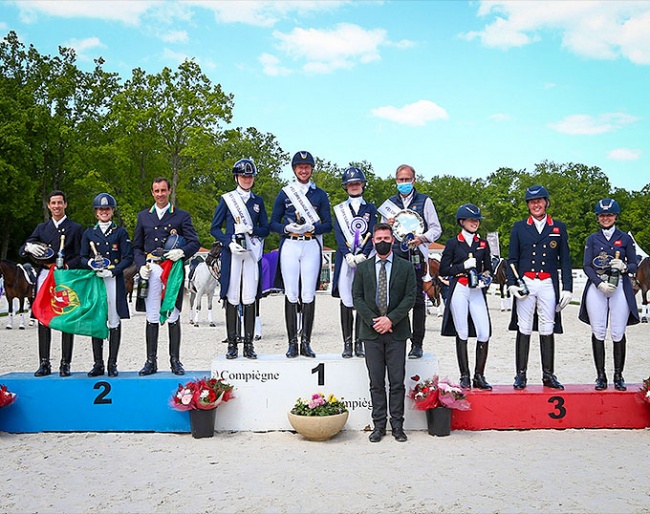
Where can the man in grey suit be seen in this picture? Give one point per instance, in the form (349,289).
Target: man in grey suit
(385,327)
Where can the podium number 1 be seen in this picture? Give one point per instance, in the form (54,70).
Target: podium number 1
(320,369)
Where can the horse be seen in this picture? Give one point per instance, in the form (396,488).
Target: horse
(643,280)
(16,286)
(501,278)
(129,280)
(433,288)
(203,281)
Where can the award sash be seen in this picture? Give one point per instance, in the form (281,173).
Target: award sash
(239,211)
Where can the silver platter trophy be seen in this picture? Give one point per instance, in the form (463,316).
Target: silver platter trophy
(47,255)
(407,224)
(98,262)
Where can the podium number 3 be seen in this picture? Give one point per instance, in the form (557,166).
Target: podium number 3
(560,411)
(101,398)
(320,369)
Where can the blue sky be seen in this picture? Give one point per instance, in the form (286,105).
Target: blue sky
(450,87)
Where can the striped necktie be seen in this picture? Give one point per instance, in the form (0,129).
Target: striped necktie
(382,292)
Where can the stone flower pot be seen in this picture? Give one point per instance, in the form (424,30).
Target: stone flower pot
(318,428)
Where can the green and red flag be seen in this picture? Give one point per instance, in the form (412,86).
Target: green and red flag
(73,301)
(172,280)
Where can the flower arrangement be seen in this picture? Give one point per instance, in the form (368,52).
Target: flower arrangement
(6,397)
(435,392)
(319,405)
(644,391)
(201,394)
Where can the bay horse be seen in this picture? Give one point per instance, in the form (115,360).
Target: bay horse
(643,279)
(16,286)
(129,280)
(501,278)
(433,288)
(202,282)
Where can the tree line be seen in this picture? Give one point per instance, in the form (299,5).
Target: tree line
(87,132)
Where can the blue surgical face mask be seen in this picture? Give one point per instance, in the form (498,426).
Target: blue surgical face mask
(405,187)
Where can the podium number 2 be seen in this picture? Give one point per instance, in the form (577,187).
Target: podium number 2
(320,369)
(101,398)
(560,411)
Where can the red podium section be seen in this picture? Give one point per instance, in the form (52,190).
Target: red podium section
(578,406)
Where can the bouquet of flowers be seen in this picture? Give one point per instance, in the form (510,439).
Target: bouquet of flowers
(6,397)
(202,394)
(435,392)
(319,405)
(645,391)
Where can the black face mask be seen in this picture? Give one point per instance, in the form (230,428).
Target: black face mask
(383,247)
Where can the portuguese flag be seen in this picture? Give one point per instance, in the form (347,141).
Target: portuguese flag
(172,280)
(73,301)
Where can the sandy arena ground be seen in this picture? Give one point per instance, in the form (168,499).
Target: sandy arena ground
(489,471)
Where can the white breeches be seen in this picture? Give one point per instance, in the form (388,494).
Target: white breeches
(301,264)
(346,276)
(244,277)
(601,307)
(542,298)
(111,296)
(154,297)
(464,301)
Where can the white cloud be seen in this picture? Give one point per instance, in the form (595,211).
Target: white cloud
(125,11)
(328,50)
(583,124)
(624,154)
(263,13)
(597,29)
(175,36)
(499,116)
(81,45)
(416,114)
(271,65)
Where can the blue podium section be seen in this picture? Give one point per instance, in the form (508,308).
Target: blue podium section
(127,403)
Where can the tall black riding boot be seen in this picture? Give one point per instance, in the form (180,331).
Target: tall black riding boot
(358,343)
(522,348)
(232,323)
(98,366)
(547,349)
(619,364)
(151,334)
(44,343)
(291,320)
(175,347)
(479,371)
(249,331)
(114,338)
(308,310)
(463,362)
(66,354)
(419,324)
(347,322)
(598,348)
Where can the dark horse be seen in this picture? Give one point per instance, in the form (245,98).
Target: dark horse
(501,278)
(643,280)
(129,274)
(433,288)
(16,286)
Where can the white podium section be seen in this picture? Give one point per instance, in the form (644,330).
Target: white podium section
(267,388)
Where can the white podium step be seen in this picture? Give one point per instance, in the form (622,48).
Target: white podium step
(267,388)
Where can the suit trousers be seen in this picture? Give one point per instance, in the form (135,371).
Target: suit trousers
(386,354)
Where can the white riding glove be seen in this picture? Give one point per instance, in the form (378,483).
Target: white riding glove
(565,299)
(349,258)
(308,228)
(618,264)
(606,288)
(174,255)
(144,272)
(236,248)
(294,227)
(35,249)
(104,273)
(470,263)
(359,258)
(516,292)
(242,228)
